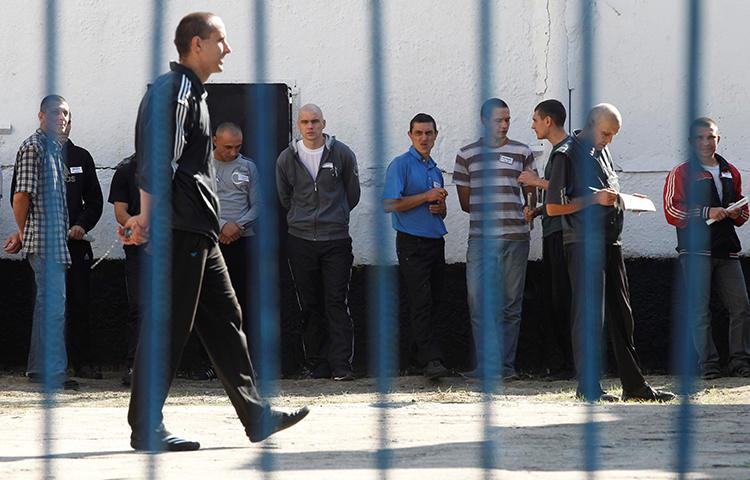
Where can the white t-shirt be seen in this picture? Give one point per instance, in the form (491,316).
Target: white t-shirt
(716,173)
(310,158)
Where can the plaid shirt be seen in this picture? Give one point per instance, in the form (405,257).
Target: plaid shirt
(42,175)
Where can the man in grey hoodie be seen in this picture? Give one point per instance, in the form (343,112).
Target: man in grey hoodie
(318,185)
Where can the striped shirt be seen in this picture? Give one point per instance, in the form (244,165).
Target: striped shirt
(492,177)
(41,172)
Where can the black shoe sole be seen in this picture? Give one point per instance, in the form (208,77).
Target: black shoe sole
(289,420)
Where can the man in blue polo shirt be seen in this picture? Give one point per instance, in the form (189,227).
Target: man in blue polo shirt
(415,195)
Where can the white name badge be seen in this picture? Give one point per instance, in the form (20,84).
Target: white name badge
(327,165)
(436,185)
(243,178)
(726,174)
(76,169)
(507,160)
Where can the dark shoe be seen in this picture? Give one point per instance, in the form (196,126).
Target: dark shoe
(560,375)
(711,375)
(435,369)
(322,370)
(343,376)
(741,371)
(277,422)
(64,382)
(602,397)
(70,384)
(648,394)
(205,373)
(165,442)
(87,371)
(511,377)
(127,377)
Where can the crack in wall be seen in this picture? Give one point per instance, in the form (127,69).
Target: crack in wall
(546,49)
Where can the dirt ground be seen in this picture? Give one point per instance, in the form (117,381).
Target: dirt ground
(435,430)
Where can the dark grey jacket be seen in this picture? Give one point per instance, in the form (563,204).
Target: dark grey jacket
(318,208)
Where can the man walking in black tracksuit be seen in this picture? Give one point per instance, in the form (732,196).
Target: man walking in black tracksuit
(173,134)
(318,185)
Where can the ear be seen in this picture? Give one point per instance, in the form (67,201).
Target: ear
(718,139)
(323,122)
(40,116)
(195,43)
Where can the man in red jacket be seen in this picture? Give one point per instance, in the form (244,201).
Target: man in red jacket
(716,185)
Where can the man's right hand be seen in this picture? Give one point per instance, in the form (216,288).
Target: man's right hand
(13,243)
(230,232)
(606,197)
(717,214)
(435,195)
(529,178)
(138,227)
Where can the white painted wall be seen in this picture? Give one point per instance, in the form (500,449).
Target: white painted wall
(322,47)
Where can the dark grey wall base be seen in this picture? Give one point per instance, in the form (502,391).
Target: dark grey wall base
(651,283)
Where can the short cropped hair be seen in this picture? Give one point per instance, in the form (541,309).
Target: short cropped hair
(703,122)
(554,110)
(193,24)
(422,118)
(50,100)
(228,127)
(491,104)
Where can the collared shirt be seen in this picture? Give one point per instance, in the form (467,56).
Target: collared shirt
(410,174)
(237,188)
(42,174)
(492,173)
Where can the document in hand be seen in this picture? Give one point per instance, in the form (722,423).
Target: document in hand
(635,203)
(738,204)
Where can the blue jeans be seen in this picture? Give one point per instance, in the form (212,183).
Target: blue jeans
(505,265)
(726,278)
(47,347)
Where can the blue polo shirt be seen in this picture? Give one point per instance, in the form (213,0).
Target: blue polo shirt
(410,174)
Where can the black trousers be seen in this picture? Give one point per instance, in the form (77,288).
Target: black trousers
(133,259)
(200,281)
(611,294)
(321,271)
(77,300)
(237,256)
(556,319)
(421,266)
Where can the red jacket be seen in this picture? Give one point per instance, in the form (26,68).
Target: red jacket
(720,239)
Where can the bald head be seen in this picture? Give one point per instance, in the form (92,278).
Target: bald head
(227,141)
(604,121)
(311,124)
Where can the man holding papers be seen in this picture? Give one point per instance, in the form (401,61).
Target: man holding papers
(705,193)
(592,225)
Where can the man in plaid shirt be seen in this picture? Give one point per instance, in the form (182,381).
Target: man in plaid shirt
(40,210)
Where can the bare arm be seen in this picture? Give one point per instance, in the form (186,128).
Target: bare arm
(121,212)
(606,197)
(21,203)
(404,204)
(464,193)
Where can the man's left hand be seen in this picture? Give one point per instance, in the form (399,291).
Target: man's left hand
(13,243)
(439,208)
(733,214)
(76,232)
(230,232)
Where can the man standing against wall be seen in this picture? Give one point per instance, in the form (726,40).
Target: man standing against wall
(173,135)
(582,164)
(84,198)
(318,185)
(237,188)
(124,194)
(41,213)
(716,184)
(414,192)
(486,178)
(548,122)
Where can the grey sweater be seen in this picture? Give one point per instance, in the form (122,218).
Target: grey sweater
(318,208)
(237,189)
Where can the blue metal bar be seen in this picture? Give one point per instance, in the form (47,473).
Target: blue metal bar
(382,324)
(696,274)
(489,353)
(47,318)
(156,287)
(267,235)
(592,292)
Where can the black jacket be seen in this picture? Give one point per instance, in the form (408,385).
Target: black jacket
(84,194)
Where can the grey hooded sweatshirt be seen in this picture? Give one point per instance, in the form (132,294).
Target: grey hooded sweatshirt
(318,208)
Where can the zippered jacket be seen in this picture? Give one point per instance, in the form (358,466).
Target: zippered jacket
(720,239)
(318,208)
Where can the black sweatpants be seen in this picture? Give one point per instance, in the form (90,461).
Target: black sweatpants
(133,259)
(421,265)
(321,271)
(77,300)
(556,319)
(199,282)
(611,294)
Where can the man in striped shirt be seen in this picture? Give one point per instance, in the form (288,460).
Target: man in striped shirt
(486,178)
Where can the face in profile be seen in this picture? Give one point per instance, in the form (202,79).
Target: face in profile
(603,131)
(212,50)
(540,125)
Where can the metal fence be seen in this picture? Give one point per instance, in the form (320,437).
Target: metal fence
(382,313)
